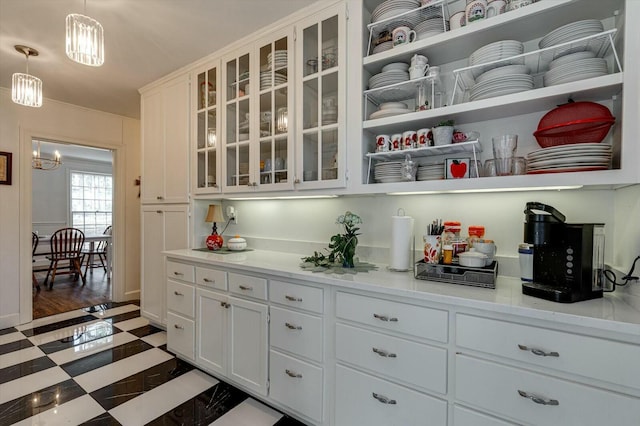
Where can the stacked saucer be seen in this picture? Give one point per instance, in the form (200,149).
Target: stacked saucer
(389,76)
(277,59)
(430,171)
(430,27)
(390,8)
(382,47)
(501,81)
(579,157)
(498,51)
(387,109)
(574,67)
(265,79)
(387,172)
(570,32)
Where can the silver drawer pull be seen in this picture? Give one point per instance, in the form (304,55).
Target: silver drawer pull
(225,305)
(179,274)
(538,399)
(245,288)
(293,374)
(384,399)
(293,299)
(292,326)
(538,352)
(179,327)
(178,294)
(159,211)
(207,280)
(384,318)
(384,353)
(159,197)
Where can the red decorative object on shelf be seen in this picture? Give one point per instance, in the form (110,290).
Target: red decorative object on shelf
(215,240)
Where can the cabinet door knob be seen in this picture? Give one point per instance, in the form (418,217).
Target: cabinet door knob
(293,374)
(292,298)
(179,327)
(538,352)
(159,197)
(292,326)
(178,294)
(245,288)
(384,353)
(384,318)
(383,399)
(224,305)
(538,399)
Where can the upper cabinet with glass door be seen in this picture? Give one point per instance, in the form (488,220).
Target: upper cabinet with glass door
(321,100)
(207,137)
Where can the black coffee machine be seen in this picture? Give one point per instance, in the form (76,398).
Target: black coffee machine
(568,259)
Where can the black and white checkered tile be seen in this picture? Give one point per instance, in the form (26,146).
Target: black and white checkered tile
(106,365)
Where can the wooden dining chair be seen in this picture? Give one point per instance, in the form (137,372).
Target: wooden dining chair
(66,246)
(34,245)
(93,250)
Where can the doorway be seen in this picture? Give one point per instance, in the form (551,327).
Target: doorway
(76,193)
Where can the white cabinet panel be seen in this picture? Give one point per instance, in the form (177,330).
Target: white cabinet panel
(362,399)
(211,278)
(296,296)
(297,385)
(181,298)
(414,363)
(538,399)
(212,325)
(465,417)
(296,332)
(246,285)
(180,335)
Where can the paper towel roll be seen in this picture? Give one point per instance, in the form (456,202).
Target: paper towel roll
(401,250)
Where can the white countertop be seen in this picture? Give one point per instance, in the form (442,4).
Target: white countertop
(613,312)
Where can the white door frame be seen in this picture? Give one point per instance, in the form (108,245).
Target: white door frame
(25,183)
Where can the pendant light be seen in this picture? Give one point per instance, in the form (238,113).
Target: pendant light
(26,89)
(85,39)
(39,162)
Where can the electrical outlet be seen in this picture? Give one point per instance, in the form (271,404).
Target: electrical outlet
(232,214)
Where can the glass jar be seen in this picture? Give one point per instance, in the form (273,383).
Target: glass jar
(451,232)
(476,233)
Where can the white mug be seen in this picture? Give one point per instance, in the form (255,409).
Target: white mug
(403,35)
(486,248)
(396,142)
(418,72)
(476,11)
(457,20)
(383,143)
(496,7)
(419,60)
(423,137)
(409,139)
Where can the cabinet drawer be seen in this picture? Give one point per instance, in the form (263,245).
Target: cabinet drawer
(211,278)
(180,271)
(465,417)
(296,332)
(586,356)
(497,388)
(296,295)
(362,399)
(296,384)
(248,286)
(399,317)
(180,335)
(181,298)
(414,363)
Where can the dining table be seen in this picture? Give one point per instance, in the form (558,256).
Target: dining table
(44,247)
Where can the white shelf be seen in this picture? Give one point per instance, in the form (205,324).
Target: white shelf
(428,151)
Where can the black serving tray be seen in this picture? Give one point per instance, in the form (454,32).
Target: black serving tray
(456,274)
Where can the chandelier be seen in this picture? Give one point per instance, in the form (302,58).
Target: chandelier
(26,89)
(85,39)
(45,163)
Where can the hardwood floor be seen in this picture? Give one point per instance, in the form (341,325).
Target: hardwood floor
(68,294)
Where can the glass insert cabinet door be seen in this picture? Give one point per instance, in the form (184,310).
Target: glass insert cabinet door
(207,137)
(275,117)
(238,84)
(321,54)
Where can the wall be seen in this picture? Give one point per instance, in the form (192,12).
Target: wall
(72,124)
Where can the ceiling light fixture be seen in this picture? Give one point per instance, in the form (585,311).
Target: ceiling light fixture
(85,39)
(26,89)
(43,163)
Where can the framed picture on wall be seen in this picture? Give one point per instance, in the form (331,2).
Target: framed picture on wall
(5,168)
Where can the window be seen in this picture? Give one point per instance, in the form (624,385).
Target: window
(91,200)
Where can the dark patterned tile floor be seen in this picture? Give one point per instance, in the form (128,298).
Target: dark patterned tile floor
(105,365)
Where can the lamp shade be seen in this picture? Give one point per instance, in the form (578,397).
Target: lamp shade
(214,214)
(26,90)
(84,40)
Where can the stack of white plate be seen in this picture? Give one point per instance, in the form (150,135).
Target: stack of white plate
(265,79)
(570,32)
(501,81)
(387,109)
(388,77)
(280,59)
(574,67)
(382,47)
(430,171)
(580,157)
(388,172)
(498,51)
(391,8)
(430,27)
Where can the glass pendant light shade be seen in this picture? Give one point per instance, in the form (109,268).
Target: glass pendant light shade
(85,40)
(26,90)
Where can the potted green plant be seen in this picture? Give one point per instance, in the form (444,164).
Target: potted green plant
(443,133)
(342,246)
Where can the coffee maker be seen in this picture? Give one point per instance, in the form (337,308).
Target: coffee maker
(568,259)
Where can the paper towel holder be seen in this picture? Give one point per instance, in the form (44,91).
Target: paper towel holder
(393,263)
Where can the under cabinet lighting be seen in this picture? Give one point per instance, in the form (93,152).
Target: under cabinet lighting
(291,197)
(467,191)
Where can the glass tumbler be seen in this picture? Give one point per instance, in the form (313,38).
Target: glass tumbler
(504,149)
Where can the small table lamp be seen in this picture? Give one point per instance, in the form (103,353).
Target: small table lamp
(214,241)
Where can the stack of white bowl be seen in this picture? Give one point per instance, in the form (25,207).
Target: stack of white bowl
(387,109)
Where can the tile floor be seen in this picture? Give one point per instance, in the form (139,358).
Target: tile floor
(106,365)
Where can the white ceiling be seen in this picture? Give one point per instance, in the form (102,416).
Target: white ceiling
(144,40)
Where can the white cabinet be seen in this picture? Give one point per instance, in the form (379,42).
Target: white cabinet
(164,227)
(165,142)
(211,327)
(180,302)
(206,173)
